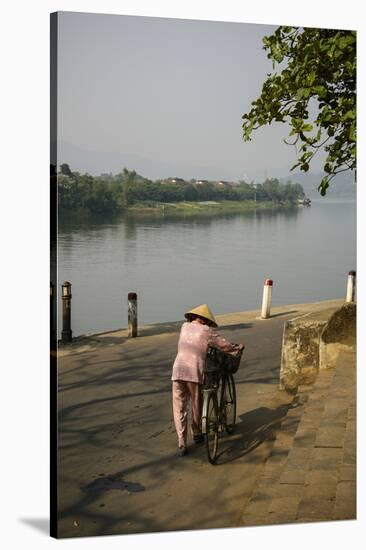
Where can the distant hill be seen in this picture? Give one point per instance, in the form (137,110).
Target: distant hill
(96,163)
(99,162)
(342,186)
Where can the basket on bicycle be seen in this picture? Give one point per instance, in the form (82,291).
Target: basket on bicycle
(217,360)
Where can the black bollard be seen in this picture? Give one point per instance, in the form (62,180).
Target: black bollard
(52,314)
(66,334)
(132,314)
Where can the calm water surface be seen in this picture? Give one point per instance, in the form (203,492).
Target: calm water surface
(176,263)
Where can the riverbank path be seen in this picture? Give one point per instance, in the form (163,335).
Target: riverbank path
(119,471)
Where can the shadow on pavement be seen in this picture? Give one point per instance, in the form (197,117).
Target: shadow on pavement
(240,326)
(101,339)
(283,314)
(161,328)
(96,341)
(255,427)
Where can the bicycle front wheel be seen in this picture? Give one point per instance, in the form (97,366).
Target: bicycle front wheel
(210,425)
(229,399)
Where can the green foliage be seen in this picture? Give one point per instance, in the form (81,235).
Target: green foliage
(110,194)
(318,73)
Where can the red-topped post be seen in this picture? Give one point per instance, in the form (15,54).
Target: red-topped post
(132,314)
(267,299)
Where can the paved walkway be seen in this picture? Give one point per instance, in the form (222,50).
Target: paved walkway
(118,469)
(310,474)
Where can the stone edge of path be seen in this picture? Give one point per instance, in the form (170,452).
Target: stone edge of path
(310,474)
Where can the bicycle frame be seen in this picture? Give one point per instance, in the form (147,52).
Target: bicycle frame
(214,382)
(216,402)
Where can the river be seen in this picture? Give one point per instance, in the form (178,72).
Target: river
(176,263)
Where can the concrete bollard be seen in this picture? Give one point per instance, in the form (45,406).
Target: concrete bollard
(132,315)
(351,286)
(66,333)
(267,299)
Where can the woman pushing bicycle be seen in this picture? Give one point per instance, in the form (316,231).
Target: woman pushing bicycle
(195,337)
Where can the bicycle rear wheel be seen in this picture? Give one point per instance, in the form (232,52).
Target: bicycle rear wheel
(228,410)
(210,425)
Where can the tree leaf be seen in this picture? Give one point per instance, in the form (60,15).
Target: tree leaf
(318,63)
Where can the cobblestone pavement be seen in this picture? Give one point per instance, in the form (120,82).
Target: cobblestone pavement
(310,474)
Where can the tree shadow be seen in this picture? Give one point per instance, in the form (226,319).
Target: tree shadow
(110,340)
(112,482)
(240,326)
(92,492)
(148,330)
(161,328)
(86,424)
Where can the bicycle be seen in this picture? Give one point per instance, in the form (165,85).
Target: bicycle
(219,397)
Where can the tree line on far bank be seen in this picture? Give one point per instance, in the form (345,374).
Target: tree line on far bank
(112,193)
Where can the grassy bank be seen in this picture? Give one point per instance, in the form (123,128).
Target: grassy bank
(186,207)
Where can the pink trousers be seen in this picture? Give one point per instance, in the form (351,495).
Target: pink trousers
(185,394)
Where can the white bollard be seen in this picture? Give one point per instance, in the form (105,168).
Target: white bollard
(267,299)
(132,315)
(351,285)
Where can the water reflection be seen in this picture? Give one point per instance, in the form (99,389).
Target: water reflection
(132,220)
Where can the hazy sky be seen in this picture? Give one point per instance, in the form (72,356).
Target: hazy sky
(164,96)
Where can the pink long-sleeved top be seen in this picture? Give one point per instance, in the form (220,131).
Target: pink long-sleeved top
(193,342)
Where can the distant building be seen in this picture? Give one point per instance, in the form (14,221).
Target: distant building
(305,202)
(176,180)
(201,182)
(223,183)
(106,176)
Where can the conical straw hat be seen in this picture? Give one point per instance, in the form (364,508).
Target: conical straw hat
(202,311)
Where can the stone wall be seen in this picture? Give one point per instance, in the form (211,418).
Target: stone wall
(339,334)
(312,342)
